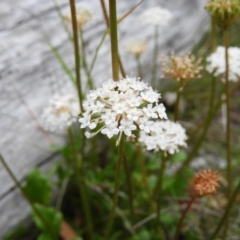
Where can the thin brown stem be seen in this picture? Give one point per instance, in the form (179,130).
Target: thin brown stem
(76,52)
(184,214)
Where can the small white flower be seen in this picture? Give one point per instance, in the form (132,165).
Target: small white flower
(150,96)
(111,129)
(166,136)
(217,65)
(127,127)
(156,16)
(86,121)
(161,110)
(150,111)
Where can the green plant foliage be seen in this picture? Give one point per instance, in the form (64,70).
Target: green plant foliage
(38,187)
(44,237)
(143,235)
(46,219)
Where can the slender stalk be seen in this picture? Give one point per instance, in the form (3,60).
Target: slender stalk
(184,214)
(225,216)
(97,50)
(155,57)
(129,185)
(150,197)
(76,52)
(114,38)
(139,65)
(31,203)
(228,130)
(179,91)
(84,61)
(79,173)
(108,26)
(158,189)
(228,127)
(116,188)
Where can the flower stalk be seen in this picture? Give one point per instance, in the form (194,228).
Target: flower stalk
(155,56)
(79,173)
(114,38)
(158,189)
(116,188)
(76,52)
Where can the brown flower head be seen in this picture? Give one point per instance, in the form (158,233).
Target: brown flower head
(181,67)
(224,12)
(206,182)
(136,48)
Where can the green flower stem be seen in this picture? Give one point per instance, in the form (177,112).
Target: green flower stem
(129,184)
(108,26)
(150,197)
(97,50)
(31,203)
(84,61)
(114,38)
(228,130)
(184,214)
(226,213)
(116,188)
(76,52)
(139,65)
(79,173)
(155,57)
(179,91)
(207,123)
(228,127)
(158,189)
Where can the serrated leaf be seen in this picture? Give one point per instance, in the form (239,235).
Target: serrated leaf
(38,187)
(47,219)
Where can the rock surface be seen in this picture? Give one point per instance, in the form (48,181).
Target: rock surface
(28,67)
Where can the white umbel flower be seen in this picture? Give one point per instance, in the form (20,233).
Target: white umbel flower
(164,135)
(217,65)
(156,16)
(61,112)
(121,107)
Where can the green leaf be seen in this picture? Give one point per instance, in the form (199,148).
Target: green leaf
(38,187)
(44,237)
(47,219)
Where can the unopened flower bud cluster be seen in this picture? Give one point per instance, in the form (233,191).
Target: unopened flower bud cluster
(181,67)
(225,12)
(61,112)
(156,16)
(217,64)
(206,182)
(166,136)
(120,108)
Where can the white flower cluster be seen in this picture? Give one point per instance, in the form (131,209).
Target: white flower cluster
(61,112)
(164,135)
(156,16)
(217,65)
(121,107)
